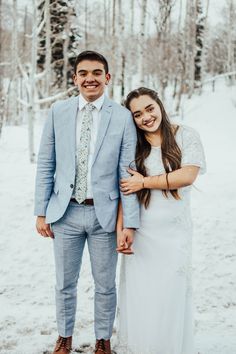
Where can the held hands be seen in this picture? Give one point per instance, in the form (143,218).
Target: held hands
(132,184)
(43,228)
(125,240)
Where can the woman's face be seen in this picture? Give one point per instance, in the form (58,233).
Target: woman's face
(146,113)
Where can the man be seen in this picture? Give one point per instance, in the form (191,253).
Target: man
(87,145)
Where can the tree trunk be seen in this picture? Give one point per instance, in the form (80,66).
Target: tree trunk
(86,25)
(231,41)
(179,45)
(204,48)
(141,42)
(112,86)
(1,76)
(48,48)
(122,76)
(32,86)
(14,54)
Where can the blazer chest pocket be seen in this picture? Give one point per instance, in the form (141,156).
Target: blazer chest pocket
(113,138)
(114,195)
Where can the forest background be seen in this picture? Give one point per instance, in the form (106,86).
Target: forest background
(186,50)
(173,46)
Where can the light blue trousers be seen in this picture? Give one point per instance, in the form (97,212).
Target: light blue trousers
(79,224)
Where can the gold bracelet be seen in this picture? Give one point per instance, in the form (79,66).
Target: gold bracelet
(143,182)
(167,181)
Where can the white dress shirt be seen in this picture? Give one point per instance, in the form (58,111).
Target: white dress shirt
(93,138)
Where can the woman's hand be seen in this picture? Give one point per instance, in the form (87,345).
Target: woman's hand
(125,239)
(132,184)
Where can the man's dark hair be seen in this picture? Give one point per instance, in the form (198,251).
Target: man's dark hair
(93,56)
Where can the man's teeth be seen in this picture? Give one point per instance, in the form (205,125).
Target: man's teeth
(90,86)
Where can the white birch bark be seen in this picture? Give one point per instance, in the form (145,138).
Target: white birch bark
(86,16)
(230,40)
(113,34)
(1,76)
(65,53)
(141,42)
(14,54)
(204,48)
(48,48)
(32,86)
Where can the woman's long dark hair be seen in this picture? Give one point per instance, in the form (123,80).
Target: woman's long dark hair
(171,153)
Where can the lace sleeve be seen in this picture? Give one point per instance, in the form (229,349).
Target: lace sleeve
(192,149)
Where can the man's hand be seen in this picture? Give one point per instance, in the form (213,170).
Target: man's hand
(125,240)
(43,228)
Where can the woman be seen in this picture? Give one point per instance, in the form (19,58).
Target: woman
(155,304)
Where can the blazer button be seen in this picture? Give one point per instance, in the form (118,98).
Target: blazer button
(71,186)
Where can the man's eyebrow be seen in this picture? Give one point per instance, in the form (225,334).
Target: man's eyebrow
(85,71)
(82,71)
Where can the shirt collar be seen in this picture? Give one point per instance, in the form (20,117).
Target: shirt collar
(97,103)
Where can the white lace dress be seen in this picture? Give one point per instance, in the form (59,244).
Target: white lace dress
(155,297)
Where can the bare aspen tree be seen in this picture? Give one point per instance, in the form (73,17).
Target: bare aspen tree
(132,17)
(86,22)
(113,47)
(1,76)
(190,35)
(109,17)
(32,108)
(1,49)
(48,56)
(181,66)
(160,14)
(14,54)
(164,37)
(231,39)
(1,113)
(200,22)
(205,47)
(178,44)
(121,51)
(105,10)
(130,55)
(141,42)
(65,52)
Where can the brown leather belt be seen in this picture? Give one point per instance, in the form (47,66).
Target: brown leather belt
(85,202)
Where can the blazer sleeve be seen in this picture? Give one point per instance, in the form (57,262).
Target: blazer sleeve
(130,202)
(45,167)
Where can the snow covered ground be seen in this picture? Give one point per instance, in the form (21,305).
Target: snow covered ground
(27,313)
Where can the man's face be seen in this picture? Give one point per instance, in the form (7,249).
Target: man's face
(91,79)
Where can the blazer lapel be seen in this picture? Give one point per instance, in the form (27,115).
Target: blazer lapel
(71,122)
(104,122)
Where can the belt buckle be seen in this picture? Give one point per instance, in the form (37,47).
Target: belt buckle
(84,202)
(87,202)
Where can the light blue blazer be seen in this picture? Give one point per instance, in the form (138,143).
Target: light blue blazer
(114,151)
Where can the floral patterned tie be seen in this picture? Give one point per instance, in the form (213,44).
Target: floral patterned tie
(82,154)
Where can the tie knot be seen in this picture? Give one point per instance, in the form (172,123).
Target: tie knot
(89,107)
